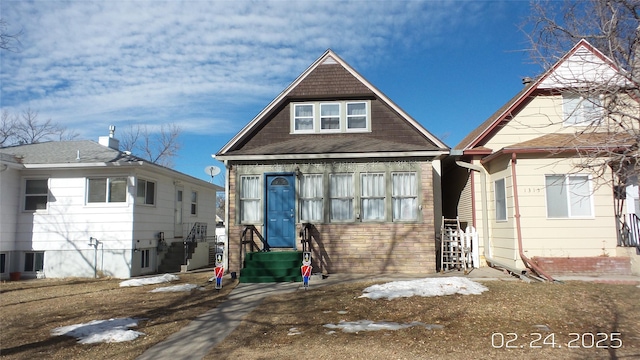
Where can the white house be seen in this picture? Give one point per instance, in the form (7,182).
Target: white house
(81,208)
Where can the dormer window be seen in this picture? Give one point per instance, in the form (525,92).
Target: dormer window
(303,118)
(330,117)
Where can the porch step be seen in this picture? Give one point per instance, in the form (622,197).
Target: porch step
(268,267)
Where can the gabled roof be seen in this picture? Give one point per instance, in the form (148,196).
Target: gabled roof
(599,66)
(82,154)
(329,57)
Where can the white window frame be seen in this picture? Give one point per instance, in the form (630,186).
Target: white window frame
(580,111)
(107,190)
(296,118)
(349,197)
(255,200)
(34,264)
(500,202)
(348,116)
(142,185)
(330,116)
(311,192)
(194,203)
(400,196)
(28,195)
(343,108)
(568,197)
(372,190)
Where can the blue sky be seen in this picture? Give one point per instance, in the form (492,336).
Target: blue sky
(211,66)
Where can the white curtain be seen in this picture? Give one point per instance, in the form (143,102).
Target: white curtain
(404,193)
(357,115)
(579,195)
(329,116)
(249,199)
(568,196)
(303,117)
(341,189)
(311,197)
(372,190)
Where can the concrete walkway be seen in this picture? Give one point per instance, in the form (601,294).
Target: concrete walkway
(199,337)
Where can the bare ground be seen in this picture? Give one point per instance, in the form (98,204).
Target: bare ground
(511,313)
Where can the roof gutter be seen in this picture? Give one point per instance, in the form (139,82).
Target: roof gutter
(530,264)
(485,217)
(367,155)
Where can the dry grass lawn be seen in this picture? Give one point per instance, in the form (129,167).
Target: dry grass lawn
(509,307)
(30,309)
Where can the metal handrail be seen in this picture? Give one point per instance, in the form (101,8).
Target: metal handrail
(305,236)
(247,239)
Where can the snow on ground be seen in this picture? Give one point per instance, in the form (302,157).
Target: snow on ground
(149,280)
(118,330)
(368,325)
(424,287)
(176,288)
(96,331)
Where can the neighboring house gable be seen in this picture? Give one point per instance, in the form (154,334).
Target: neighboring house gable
(522,162)
(344,150)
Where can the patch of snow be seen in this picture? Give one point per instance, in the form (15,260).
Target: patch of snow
(97,331)
(294,331)
(342,312)
(544,328)
(149,280)
(368,325)
(175,288)
(424,287)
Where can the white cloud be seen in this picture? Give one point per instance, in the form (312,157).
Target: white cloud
(190,62)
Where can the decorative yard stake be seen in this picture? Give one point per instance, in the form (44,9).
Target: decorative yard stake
(219,270)
(306,269)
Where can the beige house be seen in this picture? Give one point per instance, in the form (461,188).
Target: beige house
(334,167)
(519,183)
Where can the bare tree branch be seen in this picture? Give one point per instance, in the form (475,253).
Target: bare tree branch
(26,128)
(8,41)
(159,148)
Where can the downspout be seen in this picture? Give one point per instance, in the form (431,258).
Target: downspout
(528,263)
(485,216)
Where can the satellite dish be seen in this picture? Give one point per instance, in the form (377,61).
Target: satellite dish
(212,170)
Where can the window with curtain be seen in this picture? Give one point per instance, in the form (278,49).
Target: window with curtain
(336,116)
(372,194)
(330,117)
(110,190)
(568,196)
(578,110)
(145,192)
(341,190)
(404,194)
(250,199)
(356,116)
(303,117)
(36,194)
(311,191)
(500,195)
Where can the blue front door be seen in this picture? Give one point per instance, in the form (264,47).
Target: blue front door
(281,229)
